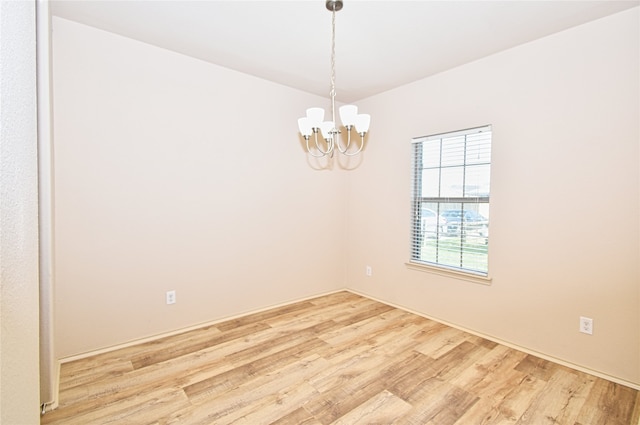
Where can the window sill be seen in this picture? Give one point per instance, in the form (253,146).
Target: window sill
(469,277)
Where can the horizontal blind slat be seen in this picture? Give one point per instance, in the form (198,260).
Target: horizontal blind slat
(450,187)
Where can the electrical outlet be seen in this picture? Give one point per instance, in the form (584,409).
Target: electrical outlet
(368,270)
(171,297)
(586,325)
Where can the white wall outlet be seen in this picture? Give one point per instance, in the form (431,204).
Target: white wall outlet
(368,271)
(586,325)
(171,297)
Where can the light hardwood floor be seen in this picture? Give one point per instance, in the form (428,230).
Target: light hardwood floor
(336,359)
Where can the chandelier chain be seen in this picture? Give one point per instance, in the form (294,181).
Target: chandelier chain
(332,93)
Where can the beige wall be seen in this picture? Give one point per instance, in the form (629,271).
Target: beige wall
(172,173)
(565,214)
(175,174)
(19,380)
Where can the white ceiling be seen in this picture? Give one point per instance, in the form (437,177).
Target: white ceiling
(379,44)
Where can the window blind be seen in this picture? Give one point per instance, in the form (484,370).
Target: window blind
(450,199)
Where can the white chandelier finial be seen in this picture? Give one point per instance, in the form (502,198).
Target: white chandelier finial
(313,123)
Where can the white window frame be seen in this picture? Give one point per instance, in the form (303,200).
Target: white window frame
(430,188)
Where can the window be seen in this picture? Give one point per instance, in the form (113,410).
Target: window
(450,200)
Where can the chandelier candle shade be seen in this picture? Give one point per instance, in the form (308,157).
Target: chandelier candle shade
(314,122)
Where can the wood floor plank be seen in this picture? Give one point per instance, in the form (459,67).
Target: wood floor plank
(300,416)
(351,361)
(427,329)
(635,417)
(230,379)
(146,359)
(271,408)
(560,401)
(262,316)
(92,371)
(366,314)
(609,403)
(383,408)
(368,328)
(458,359)
(321,311)
(337,298)
(456,403)
(494,374)
(129,352)
(443,409)
(351,393)
(442,342)
(237,404)
(183,370)
(487,412)
(382,336)
(280,341)
(136,408)
(538,368)
(519,395)
(337,359)
(162,402)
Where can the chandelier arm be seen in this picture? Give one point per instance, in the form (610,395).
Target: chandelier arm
(359,149)
(311,152)
(346,148)
(329,146)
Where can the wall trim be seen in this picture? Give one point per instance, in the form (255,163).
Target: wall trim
(52,404)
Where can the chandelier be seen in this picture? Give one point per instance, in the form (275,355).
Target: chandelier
(314,122)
